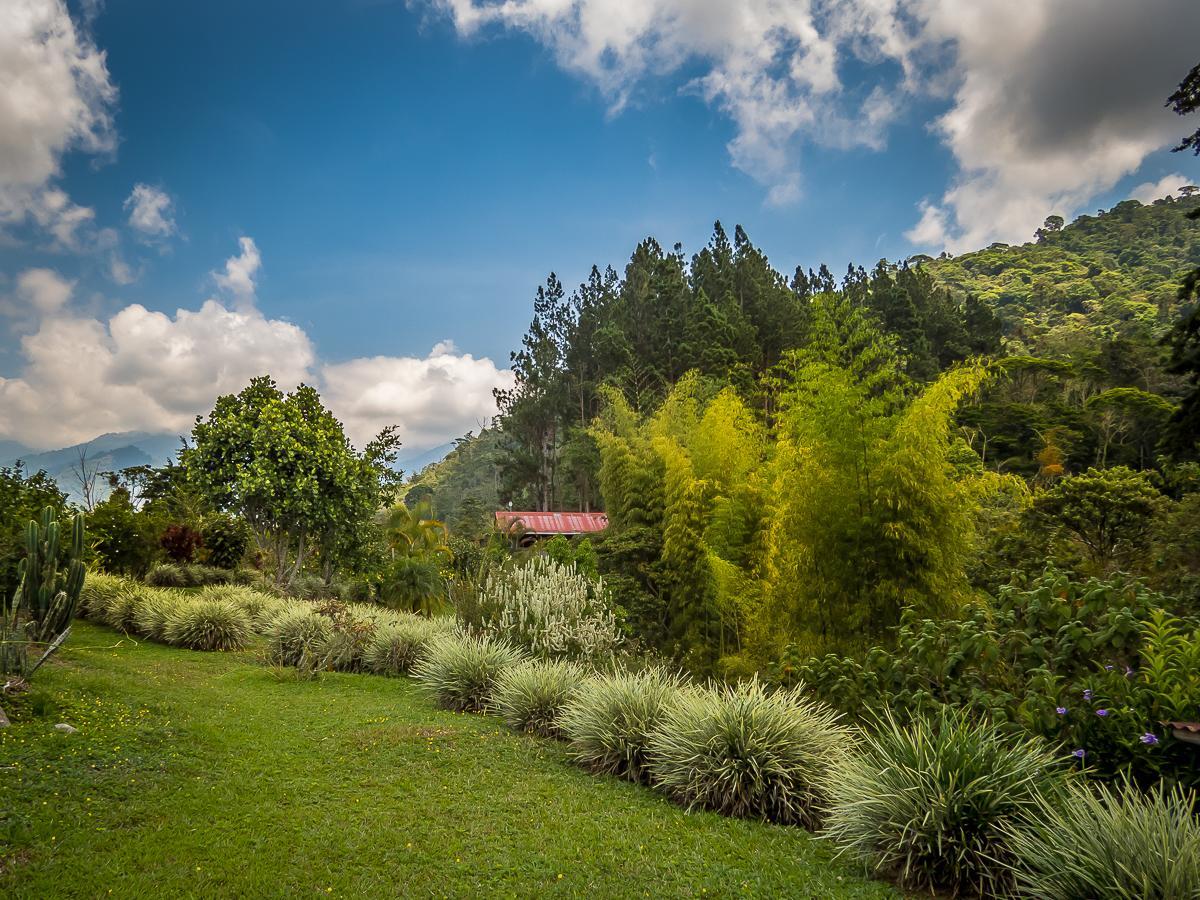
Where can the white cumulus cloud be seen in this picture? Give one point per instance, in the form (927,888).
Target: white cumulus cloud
(432,399)
(1157,190)
(55,96)
(1047,102)
(151,212)
(144,370)
(241,272)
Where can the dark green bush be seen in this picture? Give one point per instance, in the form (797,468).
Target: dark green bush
(226,540)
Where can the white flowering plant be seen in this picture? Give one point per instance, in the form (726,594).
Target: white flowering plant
(550,609)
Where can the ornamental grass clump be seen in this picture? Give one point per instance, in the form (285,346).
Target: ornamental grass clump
(98,592)
(460,671)
(1111,844)
(118,608)
(208,624)
(259,606)
(610,718)
(531,697)
(549,609)
(299,638)
(152,608)
(743,751)
(395,647)
(934,804)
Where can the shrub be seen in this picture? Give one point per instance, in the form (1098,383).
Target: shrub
(201,576)
(298,638)
(743,751)
(347,646)
(180,543)
(610,719)
(1111,845)
(151,610)
(531,697)
(226,539)
(550,609)
(396,647)
(168,575)
(934,804)
(208,624)
(460,671)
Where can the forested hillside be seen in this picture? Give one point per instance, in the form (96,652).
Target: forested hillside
(745,429)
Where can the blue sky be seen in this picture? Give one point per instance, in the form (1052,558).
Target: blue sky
(408,173)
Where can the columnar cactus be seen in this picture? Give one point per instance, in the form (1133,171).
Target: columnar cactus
(46,599)
(48,594)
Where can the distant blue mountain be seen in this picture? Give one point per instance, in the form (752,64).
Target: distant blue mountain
(106,453)
(413,461)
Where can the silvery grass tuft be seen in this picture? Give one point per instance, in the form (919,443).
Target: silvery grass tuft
(531,697)
(98,592)
(259,606)
(1111,844)
(552,610)
(460,671)
(744,751)
(118,608)
(298,638)
(208,624)
(152,608)
(611,717)
(934,804)
(396,646)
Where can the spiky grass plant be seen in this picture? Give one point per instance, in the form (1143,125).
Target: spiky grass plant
(460,671)
(118,609)
(152,608)
(1111,844)
(98,591)
(396,646)
(531,697)
(208,624)
(168,575)
(299,638)
(934,804)
(261,607)
(610,718)
(747,752)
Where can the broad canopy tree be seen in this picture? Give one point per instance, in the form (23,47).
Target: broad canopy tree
(283,463)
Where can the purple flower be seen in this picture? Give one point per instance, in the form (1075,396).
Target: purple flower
(1087,695)
(1061,710)
(1128,672)
(1079,754)
(1149,738)
(1102,712)
(1108,668)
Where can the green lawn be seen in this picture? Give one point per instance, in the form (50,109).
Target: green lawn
(197,774)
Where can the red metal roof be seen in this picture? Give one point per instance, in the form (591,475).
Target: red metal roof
(554,522)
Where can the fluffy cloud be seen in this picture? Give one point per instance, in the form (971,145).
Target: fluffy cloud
(433,399)
(55,96)
(151,213)
(240,273)
(772,67)
(142,370)
(1156,190)
(1050,102)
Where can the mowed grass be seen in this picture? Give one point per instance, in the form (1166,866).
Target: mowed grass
(206,774)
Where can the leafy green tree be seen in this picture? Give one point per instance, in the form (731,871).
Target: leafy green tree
(1108,513)
(282,462)
(125,540)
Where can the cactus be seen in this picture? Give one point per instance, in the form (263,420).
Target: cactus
(47,596)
